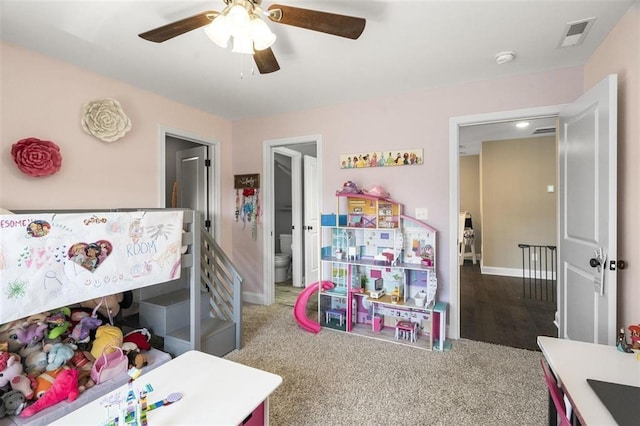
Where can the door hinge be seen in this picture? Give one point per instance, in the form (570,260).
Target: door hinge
(207,163)
(207,223)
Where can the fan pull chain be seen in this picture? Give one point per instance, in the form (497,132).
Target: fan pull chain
(253,69)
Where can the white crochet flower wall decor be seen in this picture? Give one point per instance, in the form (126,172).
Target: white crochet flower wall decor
(105,119)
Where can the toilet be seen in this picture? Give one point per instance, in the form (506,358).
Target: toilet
(283,259)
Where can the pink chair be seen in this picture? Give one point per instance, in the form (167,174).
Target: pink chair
(556,395)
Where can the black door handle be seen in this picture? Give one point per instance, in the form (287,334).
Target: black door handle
(594,262)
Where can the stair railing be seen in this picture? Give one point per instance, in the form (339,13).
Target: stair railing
(220,278)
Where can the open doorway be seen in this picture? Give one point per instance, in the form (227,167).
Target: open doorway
(289,226)
(503,279)
(188,177)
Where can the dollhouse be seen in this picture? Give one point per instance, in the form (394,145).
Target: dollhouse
(383,265)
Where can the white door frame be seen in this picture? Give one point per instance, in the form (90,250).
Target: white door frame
(268,220)
(214,150)
(454,181)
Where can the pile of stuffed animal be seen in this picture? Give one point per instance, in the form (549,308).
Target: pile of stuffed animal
(47,358)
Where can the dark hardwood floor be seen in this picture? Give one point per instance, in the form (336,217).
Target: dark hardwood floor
(493,310)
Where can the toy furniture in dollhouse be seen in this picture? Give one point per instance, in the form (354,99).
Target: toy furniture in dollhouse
(338,314)
(440,332)
(386,285)
(377,323)
(407,330)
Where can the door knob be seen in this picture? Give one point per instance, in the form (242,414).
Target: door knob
(594,262)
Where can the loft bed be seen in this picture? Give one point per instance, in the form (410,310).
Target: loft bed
(61,258)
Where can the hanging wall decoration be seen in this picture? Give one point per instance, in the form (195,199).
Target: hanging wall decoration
(35,157)
(105,119)
(248,200)
(55,259)
(399,157)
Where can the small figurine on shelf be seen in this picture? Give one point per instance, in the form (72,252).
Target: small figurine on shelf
(349,187)
(621,344)
(634,333)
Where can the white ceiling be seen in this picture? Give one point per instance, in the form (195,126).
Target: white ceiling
(406,46)
(472,137)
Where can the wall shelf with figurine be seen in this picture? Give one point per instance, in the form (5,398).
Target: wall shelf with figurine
(383,267)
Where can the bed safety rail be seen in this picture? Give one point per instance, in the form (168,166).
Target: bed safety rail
(220,278)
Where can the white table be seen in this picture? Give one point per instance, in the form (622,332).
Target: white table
(214,391)
(574,362)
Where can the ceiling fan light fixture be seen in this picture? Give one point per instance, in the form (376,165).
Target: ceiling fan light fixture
(239,18)
(219,30)
(242,44)
(261,34)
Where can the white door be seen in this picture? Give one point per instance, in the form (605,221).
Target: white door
(296,214)
(297,254)
(587,196)
(192,176)
(311,223)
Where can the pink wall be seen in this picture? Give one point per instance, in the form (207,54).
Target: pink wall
(416,120)
(620,54)
(42,98)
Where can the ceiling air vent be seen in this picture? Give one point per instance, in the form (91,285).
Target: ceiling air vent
(544,130)
(575,32)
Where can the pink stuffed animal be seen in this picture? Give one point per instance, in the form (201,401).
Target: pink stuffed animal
(24,385)
(11,374)
(10,367)
(64,387)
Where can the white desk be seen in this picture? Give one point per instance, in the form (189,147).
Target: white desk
(574,362)
(214,391)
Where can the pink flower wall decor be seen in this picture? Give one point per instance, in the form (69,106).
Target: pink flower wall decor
(35,157)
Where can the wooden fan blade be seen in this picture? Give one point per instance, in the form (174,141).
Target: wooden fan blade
(174,29)
(265,61)
(329,23)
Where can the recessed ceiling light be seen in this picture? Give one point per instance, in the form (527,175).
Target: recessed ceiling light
(504,57)
(522,124)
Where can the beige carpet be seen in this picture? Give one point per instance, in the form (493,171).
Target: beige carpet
(334,378)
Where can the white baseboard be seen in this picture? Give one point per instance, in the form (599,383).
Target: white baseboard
(505,272)
(255,298)
(514,272)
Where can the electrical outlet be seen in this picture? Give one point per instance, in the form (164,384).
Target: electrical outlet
(422,213)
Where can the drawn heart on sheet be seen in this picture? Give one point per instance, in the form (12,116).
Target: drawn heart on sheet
(90,255)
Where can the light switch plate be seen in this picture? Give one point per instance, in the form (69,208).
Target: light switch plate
(422,213)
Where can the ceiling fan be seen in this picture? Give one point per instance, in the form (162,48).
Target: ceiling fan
(241,21)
